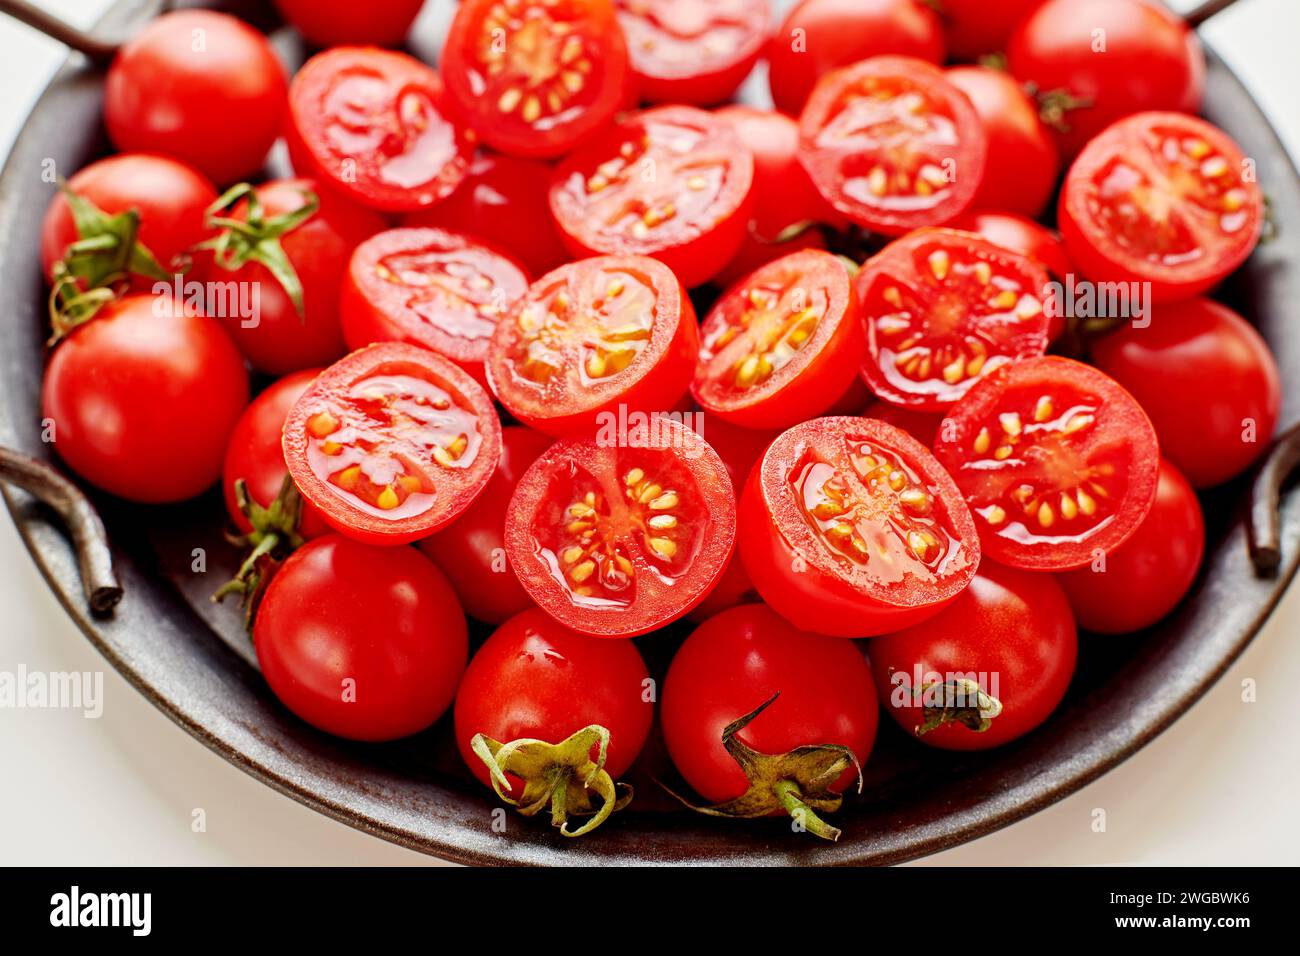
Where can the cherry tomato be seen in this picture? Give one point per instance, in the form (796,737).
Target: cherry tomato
(674,183)
(781,345)
(373,124)
(431,288)
(471,550)
(920,425)
(848,526)
(1208,381)
(1151,61)
(892,145)
(339,22)
(1056,460)
(1010,633)
(692,51)
(944,309)
(973,28)
(361,642)
(616,538)
(203,87)
(536,77)
(391,443)
(1161,198)
(1145,577)
(591,337)
(143,398)
(819,36)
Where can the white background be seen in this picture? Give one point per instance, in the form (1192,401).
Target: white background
(1217,788)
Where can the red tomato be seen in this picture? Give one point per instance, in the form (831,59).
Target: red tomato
(819,36)
(1151,61)
(340,22)
(782,345)
(593,337)
(471,550)
(1208,381)
(692,51)
(503,202)
(1056,460)
(391,443)
(1023,164)
(1019,234)
(1161,198)
(1144,578)
(892,145)
(431,288)
(373,124)
(922,426)
(674,183)
(849,527)
(143,398)
(973,28)
(536,77)
(617,538)
(943,310)
(361,642)
(1010,632)
(201,86)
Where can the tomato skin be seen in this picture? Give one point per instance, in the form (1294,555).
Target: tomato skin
(340,22)
(1201,372)
(735,661)
(143,402)
(973,28)
(470,549)
(1013,626)
(534,678)
(1019,234)
(1146,576)
(218,109)
(383,618)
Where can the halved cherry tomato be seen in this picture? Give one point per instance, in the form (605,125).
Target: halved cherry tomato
(943,309)
(590,337)
(781,345)
(340,22)
(615,539)
(973,28)
(431,288)
(1161,198)
(674,183)
(373,124)
(692,51)
(536,77)
(392,442)
(1056,460)
(893,145)
(848,526)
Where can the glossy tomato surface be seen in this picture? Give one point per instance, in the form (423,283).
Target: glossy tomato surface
(338,22)
(974,28)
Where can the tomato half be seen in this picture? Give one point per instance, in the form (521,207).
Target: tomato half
(536,77)
(893,145)
(373,124)
(848,526)
(943,309)
(615,539)
(392,442)
(593,336)
(1056,460)
(674,183)
(340,22)
(1161,198)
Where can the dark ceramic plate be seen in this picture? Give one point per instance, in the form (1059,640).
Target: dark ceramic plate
(192,660)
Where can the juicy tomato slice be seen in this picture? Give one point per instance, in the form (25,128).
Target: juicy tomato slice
(1056,460)
(892,145)
(1163,198)
(848,526)
(615,540)
(590,336)
(673,183)
(534,77)
(373,124)
(941,310)
(431,288)
(391,443)
(781,345)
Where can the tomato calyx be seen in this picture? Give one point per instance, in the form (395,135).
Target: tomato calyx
(961,701)
(1055,106)
(562,776)
(274,537)
(798,782)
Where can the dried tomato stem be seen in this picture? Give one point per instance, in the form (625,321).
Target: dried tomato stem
(99,52)
(1264,518)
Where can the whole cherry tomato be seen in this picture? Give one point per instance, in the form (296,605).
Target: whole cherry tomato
(338,22)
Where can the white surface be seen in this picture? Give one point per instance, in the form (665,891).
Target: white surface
(1215,789)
